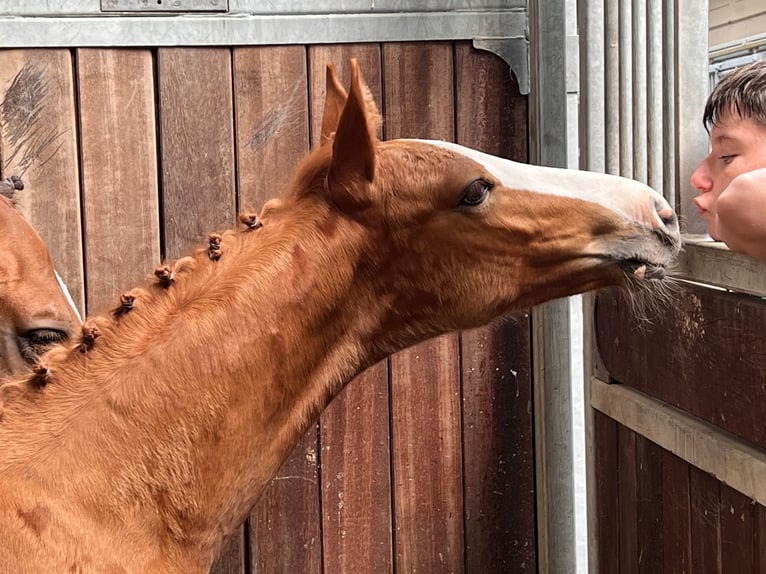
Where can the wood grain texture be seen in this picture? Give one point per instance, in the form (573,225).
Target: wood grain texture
(628,493)
(676,515)
(119,170)
(427,461)
(737,535)
(38,141)
(233,557)
(195,111)
(272,134)
(607,534)
(705,339)
(355,437)
(272,117)
(498,444)
(759,538)
(705,522)
(197,145)
(649,503)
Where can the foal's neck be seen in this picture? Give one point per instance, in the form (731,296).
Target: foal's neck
(197,407)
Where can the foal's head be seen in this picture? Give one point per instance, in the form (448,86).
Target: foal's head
(457,237)
(34,311)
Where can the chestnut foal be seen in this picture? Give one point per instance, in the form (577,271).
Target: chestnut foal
(35,309)
(142,446)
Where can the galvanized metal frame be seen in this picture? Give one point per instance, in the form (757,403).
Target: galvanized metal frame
(557,326)
(83,24)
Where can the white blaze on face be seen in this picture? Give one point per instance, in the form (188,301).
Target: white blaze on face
(68,295)
(631,199)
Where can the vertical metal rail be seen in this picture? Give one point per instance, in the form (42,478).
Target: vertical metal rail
(643,84)
(557,326)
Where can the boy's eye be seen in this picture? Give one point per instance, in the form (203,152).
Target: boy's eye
(727,159)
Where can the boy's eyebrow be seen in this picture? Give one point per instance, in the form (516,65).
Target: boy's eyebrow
(724,138)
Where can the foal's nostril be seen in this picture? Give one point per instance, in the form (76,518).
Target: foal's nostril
(666,215)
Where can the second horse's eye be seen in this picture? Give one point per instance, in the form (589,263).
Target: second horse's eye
(476,192)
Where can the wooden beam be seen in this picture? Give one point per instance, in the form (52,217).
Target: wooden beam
(729,459)
(707,261)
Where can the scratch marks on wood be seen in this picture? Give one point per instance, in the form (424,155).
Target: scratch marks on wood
(28,139)
(278,120)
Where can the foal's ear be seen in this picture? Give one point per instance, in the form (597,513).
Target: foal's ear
(352,167)
(335,99)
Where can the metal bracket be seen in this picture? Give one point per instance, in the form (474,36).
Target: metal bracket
(164,5)
(514,51)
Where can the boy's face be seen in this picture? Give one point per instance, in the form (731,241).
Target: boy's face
(737,145)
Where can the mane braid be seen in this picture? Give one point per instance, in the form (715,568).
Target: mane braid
(171,287)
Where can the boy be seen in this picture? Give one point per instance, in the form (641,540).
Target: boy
(732,178)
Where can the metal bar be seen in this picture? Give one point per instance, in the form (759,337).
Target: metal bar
(692,92)
(182,6)
(556,331)
(654,93)
(669,64)
(228,30)
(626,88)
(94,7)
(612,88)
(639,90)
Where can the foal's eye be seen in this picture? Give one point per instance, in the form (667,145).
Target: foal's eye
(476,192)
(34,343)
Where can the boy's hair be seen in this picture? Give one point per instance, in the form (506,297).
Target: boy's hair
(742,92)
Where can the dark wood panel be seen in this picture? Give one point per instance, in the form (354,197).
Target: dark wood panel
(271,101)
(498,442)
(119,170)
(650,500)
(607,494)
(197,145)
(38,141)
(272,119)
(676,514)
(427,473)
(197,153)
(233,557)
(355,437)
(628,493)
(737,511)
(705,353)
(705,522)
(759,535)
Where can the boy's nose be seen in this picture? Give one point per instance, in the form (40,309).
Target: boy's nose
(701,179)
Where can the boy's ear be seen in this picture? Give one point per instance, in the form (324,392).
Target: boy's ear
(352,167)
(335,99)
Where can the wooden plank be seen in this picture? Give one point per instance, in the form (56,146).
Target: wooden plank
(730,459)
(736,512)
(38,140)
(676,514)
(498,446)
(628,492)
(759,535)
(197,154)
(272,111)
(705,522)
(707,261)
(607,531)
(428,513)
(355,438)
(272,134)
(704,337)
(197,145)
(119,170)
(650,500)
(425,380)
(233,557)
